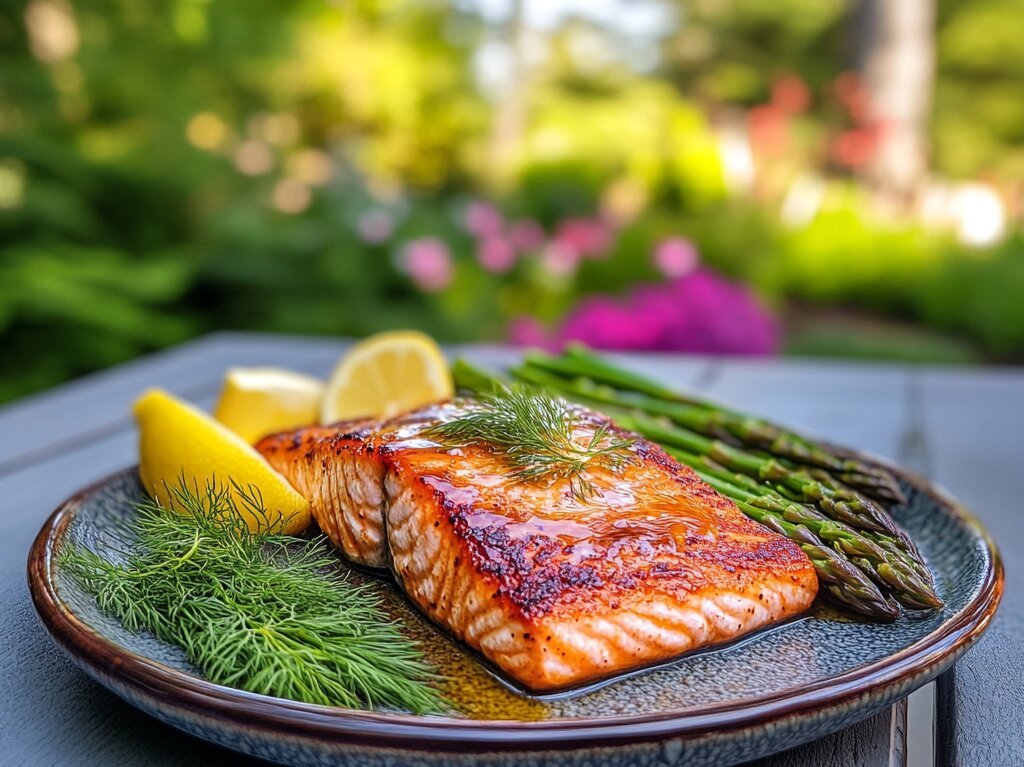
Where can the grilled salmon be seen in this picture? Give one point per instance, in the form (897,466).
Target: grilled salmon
(553,587)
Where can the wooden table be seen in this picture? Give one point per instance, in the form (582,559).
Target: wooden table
(963,428)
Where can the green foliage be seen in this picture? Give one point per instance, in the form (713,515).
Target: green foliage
(979,116)
(83,284)
(980,297)
(734,51)
(874,341)
(643,132)
(555,189)
(180,167)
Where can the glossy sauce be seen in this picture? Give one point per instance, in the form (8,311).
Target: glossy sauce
(633,508)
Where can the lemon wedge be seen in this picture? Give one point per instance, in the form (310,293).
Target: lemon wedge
(256,402)
(386,374)
(178,442)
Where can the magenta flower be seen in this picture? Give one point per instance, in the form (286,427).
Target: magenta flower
(604,323)
(675,257)
(375,226)
(496,254)
(526,234)
(587,237)
(429,263)
(482,219)
(700,313)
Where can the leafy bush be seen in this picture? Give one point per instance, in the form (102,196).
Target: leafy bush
(979,295)
(316,167)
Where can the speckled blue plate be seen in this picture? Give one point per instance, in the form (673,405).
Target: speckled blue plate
(772,691)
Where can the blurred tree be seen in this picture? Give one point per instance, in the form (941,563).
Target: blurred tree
(509,111)
(897,59)
(978,119)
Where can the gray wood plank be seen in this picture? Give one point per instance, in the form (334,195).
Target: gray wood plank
(81,411)
(863,406)
(96,405)
(54,714)
(974,428)
(867,743)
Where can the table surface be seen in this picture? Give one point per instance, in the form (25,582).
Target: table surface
(961,427)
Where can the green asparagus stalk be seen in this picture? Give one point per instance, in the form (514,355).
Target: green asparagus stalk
(839,578)
(713,420)
(891,569)
(471,378)
(902,540)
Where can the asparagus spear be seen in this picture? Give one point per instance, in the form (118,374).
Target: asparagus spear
(714,420)
(890,569)
(840,579)
(475,379)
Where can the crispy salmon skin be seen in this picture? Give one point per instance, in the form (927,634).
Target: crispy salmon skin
(553,588)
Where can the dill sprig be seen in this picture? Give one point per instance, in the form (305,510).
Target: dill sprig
(539,435)
(262,612)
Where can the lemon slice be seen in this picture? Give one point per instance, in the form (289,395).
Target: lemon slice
(386,374)
(178,442)
(256,402)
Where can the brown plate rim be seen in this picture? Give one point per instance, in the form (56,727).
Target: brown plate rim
(923,659)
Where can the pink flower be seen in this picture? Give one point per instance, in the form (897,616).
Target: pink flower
(528,331)
(375,226)
(560,260)
(496,254)
(791,94)
(769,129)
(676,257)
(853,94)
(526,234)
(584,236)
(429,263)
(482,219)
(855,147)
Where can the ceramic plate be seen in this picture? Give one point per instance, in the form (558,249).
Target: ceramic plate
(781,687)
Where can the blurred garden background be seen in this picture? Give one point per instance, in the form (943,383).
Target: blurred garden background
(816,177)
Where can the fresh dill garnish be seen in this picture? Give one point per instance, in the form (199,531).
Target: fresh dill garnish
(262,612)
(540,435)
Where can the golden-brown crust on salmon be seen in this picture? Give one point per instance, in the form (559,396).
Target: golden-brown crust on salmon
(563,561)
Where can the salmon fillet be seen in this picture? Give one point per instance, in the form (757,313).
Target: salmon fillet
(554,589)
